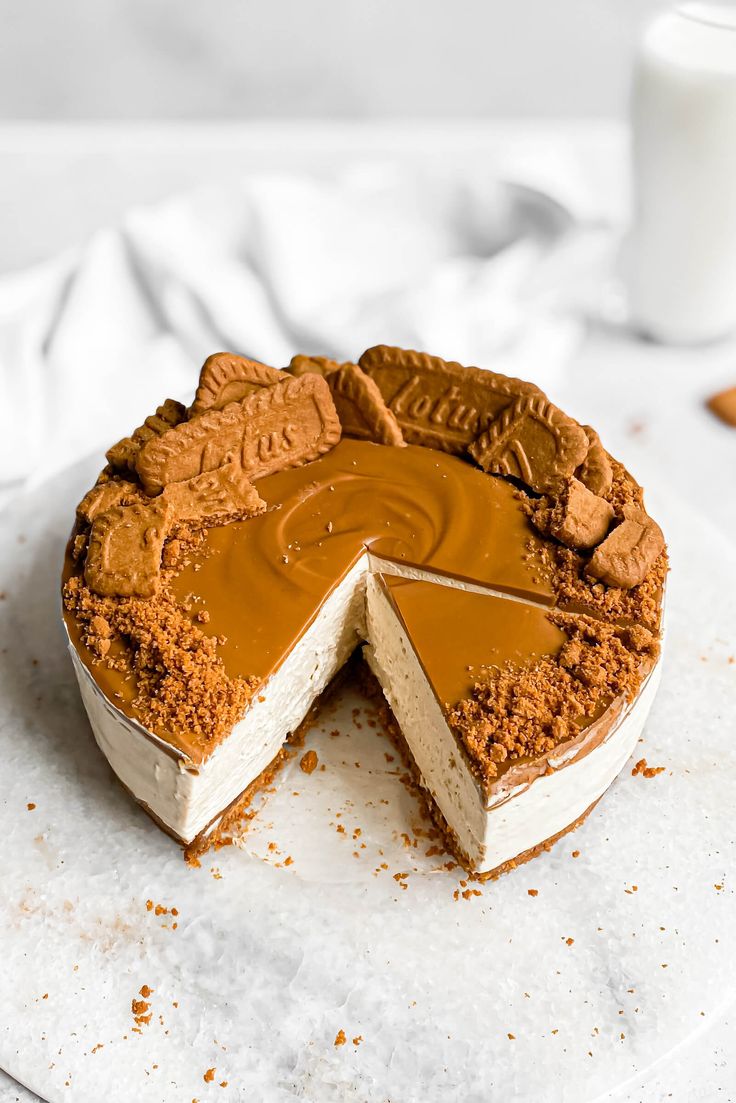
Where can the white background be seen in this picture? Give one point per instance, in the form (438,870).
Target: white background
(259,79)
(142,59)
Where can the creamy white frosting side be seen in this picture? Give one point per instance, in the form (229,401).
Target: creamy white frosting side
(554,801)
(189,799)
(445,774)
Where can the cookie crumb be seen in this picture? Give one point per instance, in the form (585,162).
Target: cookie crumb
(646,771)
(723,405)
(514,711)
(309,761)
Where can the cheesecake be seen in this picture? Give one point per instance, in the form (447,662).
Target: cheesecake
(493,564)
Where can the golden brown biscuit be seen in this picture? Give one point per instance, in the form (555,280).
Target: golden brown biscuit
(313,365)
(124,552)
(723,405)
(214,497)
(596,470)
(122,456)
(534,441)
(226,377)
(626,556)
(581,519)
(286,425)
(105,495)
(438,403)
(363,413)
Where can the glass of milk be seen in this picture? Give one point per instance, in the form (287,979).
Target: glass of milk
(680,260)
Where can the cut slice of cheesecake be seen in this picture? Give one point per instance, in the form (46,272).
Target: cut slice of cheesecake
(429,646)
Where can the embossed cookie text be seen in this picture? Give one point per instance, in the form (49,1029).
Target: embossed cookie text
(282,426)
(439,404)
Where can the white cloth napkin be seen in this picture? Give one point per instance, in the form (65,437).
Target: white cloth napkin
(92,341)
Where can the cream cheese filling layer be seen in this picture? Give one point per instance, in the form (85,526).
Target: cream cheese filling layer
(520,814)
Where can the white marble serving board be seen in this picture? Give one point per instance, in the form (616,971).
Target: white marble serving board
(476,999)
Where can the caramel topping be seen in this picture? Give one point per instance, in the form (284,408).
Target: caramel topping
(456,633)
(517,713)
(415,506)
(256,585)
(438,403)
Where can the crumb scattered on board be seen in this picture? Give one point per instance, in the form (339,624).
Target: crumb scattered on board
(309,761)
(646,771)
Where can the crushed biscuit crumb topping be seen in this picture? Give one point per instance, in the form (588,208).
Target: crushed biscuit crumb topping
(519,713)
